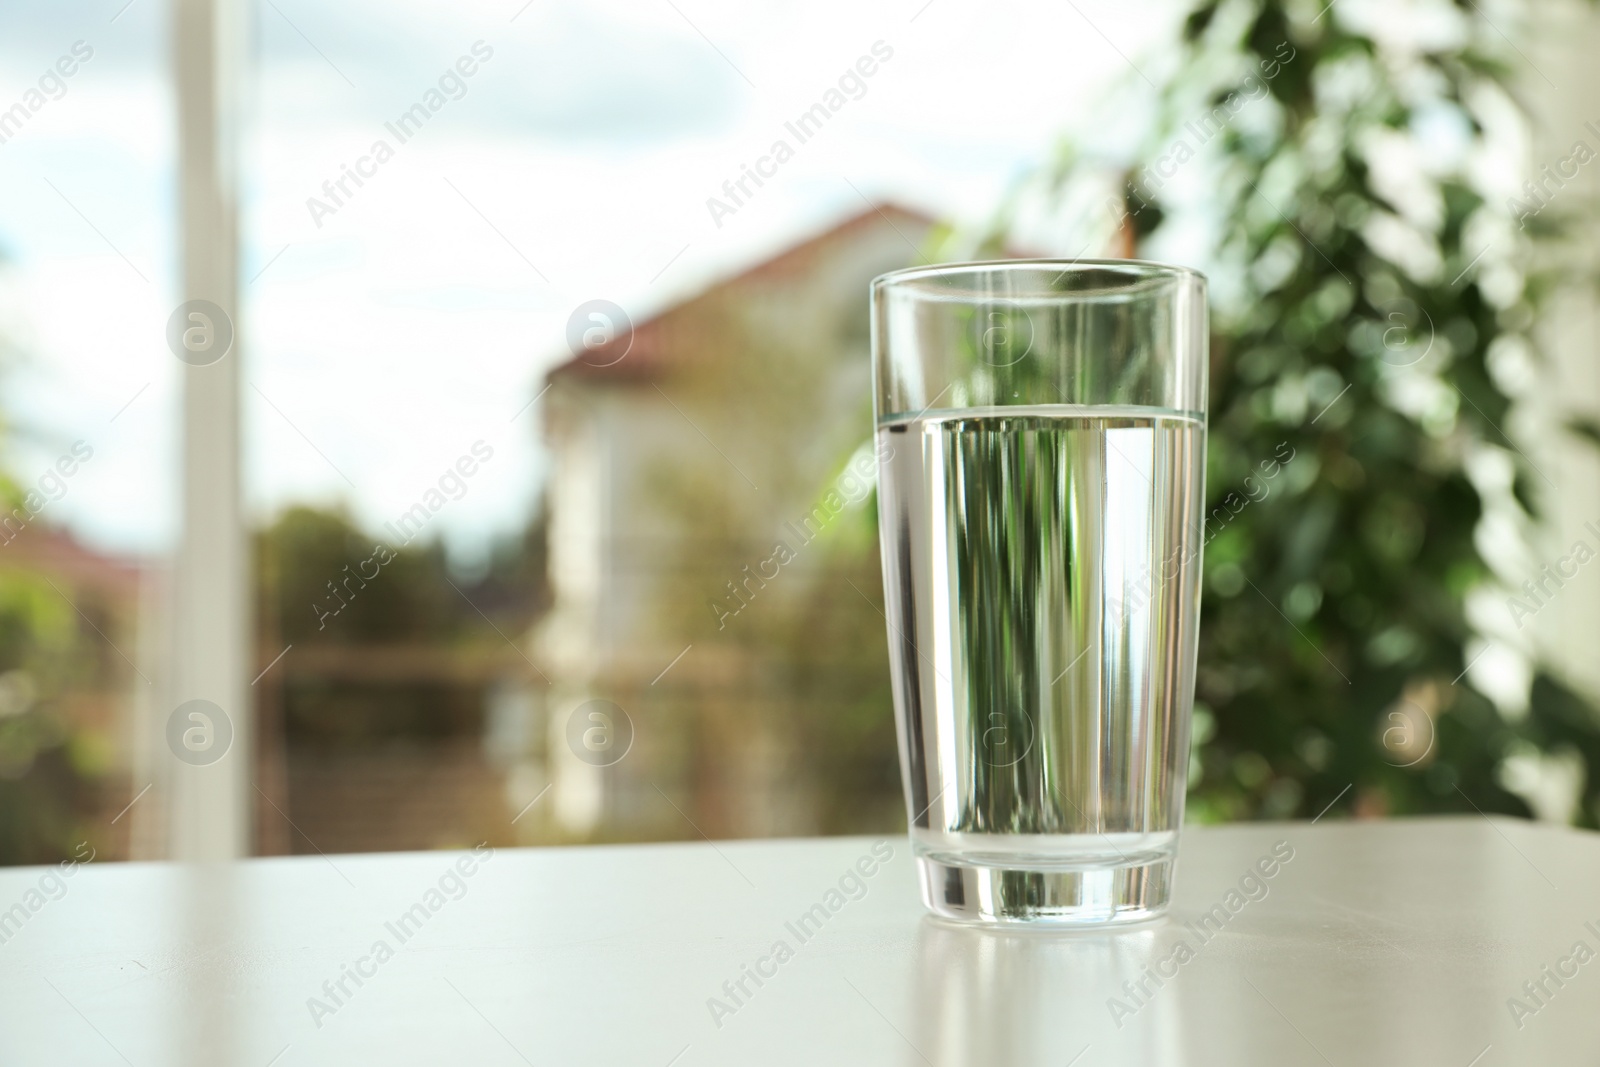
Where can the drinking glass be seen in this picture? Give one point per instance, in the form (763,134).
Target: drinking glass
(1041,443)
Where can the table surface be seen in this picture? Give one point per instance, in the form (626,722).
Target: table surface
(1404,942)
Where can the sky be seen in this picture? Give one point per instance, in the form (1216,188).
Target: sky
(384,335)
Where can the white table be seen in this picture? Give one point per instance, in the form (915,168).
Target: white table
(1377,943)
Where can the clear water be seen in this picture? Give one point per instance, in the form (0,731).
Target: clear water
(1042,566)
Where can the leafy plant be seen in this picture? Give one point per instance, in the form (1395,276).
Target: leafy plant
(54,669)
(1371,292)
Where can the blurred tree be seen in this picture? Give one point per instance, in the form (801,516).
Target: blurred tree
(51,768)
(382,723)
(325,583)
(796,735)
(1370,289)
(841,670)
(49,772)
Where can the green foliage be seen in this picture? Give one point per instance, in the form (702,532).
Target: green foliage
(326,586)
(47,771)
(1356,322)
(50,768)
(62,691)
(839,676)
(312,566)
(802,688)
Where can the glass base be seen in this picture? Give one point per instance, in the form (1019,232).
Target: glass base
(1046,898)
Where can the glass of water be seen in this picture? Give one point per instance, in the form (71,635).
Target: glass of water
(1041,434)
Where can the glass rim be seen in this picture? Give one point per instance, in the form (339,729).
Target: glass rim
(1140,274)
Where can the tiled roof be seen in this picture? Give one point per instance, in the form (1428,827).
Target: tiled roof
(643,345)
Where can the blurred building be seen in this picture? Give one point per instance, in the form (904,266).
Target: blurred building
(679,449)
